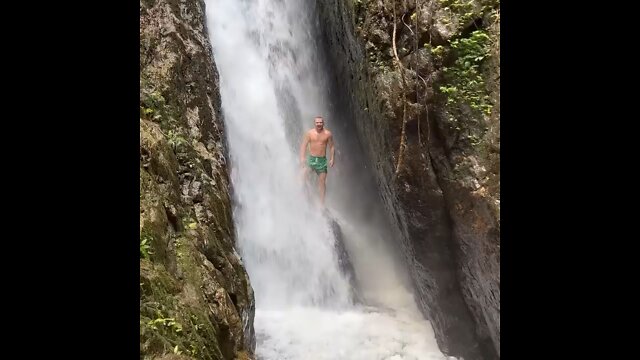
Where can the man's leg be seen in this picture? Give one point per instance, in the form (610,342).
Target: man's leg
(322,178)
(304,175)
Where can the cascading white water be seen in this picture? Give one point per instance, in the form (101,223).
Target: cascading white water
(286,246)
(271,88)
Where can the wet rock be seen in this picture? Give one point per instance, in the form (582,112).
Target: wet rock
(195,291)
(443,197)
(344,260)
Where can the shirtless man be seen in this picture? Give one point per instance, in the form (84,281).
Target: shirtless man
(317,140)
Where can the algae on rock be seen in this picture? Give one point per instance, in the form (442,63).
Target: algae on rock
(196,300)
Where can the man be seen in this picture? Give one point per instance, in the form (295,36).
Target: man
(317,140)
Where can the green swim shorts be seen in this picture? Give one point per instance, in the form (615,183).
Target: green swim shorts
(317,163)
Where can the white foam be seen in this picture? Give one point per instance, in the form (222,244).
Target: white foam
(358,334)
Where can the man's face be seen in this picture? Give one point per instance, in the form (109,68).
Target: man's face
(319,124)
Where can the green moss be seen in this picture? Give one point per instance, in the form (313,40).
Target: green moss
(152,239)
(187,263)
(175,314)
(168,324)
(154,106)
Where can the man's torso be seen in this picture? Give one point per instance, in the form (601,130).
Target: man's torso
(318,142)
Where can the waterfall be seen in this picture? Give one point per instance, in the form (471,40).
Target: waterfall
(272,84)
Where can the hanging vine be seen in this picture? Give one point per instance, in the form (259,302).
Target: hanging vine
(403,135)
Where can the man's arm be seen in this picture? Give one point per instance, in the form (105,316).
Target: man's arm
(303,147)
(333,149)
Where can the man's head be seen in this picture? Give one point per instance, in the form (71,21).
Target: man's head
(319,122)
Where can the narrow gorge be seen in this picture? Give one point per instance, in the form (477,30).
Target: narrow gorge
(237,263)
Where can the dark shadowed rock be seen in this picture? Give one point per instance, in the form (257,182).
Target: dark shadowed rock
(344,260)
(443,197)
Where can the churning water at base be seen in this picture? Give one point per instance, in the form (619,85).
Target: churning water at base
(271,87)
(356,334)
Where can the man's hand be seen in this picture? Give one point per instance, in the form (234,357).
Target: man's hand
(331,163)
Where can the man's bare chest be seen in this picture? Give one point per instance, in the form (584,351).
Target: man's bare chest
(318,138)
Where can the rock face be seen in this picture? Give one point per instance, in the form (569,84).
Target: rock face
(344,261)
(195,297)
(428,119)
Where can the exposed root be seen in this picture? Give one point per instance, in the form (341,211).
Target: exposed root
(403,135)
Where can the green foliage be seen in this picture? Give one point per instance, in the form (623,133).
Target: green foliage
(151,104)
(145,246)
(464,82)
(168,322)
(437,52)
(189,222)
(154,100)
(175,138)
(178,242)
(464,9)
(467,10)
(161,329)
